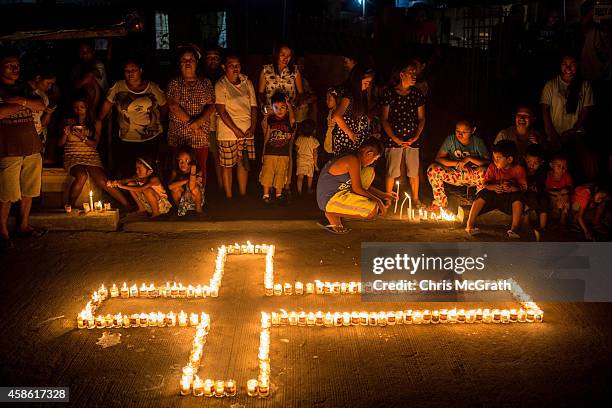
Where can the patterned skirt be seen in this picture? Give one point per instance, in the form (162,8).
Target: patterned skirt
(78,153)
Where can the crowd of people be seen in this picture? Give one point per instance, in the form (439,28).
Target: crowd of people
(162,137)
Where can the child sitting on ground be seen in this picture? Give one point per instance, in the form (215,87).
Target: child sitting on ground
(306,145)
(559,187)
(504,184)
(146,189)
(589,197)
(278,140)
(186,184)
(536,199)
(345,189)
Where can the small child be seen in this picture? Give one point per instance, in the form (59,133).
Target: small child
(504,184)
(559,186)
(535,197)
(331,100)
(306,145)
(585,198)
(186,184)
(278,142)
(146,189)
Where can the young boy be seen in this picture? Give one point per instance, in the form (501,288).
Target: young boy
(535,197)
(345,190)
(278,142)
(559,187)
(504,184)
(589,197)
(306,145)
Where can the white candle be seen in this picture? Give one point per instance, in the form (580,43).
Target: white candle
(395,211)
(91,203)
(402,206)
(252,388)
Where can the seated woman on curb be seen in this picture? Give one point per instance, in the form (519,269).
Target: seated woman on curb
(345,188)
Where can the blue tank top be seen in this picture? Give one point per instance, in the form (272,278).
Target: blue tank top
(328,184)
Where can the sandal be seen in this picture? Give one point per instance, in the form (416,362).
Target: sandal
(513,235)
(472,231)
(334,229)
(33,232)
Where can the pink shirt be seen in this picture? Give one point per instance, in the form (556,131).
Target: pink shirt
(515,173)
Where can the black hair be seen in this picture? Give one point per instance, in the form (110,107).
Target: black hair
(559,156)
(399,68)
(535,150)
(358,96)
(149,163)
(182,50)
(307,128)
(275,55)
(373,143)
(278,96)
(7,53)
(132,60)
(506,148)
(231,55)
(469,122)
(525,105)
(82,96)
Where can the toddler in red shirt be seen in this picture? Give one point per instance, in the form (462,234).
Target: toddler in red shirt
(559,187)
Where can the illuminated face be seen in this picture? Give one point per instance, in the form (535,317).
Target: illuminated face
(80,108)
(569,66)
(523,118)
(559,167)
(408,77)
(463,133)
(188,63)
(142,171)
(232,68)
(213,60)
(348,63)
(279,109)
(284,56)
(10,69)
(183,162)
(86,53)
(533,163)
(366,82)
(132,73)
(600,197)
(501,161)
(45,84)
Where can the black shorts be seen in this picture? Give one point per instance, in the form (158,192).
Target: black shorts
(537,202)
(495,201)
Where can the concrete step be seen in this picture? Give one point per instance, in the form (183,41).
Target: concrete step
(75,221)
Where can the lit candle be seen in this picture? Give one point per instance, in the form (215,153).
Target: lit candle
(185,385)
(539,316)
(486,316)
(310,319)
(230,388)
(319,287)
(182,319)
(301,318)
(275,319)
(144,291)
(293,319)
(470,316)
(355,318)
(319,318)
(208,387)
(182,291)
(219,388)
(479,316)
(198,387)
(310,288)
(328,320)
(299,288)
(426,316)
(513,315)
(125,292)
(346,319)
(382,319)
(278,289)
(461,316)
(505,316)
(91,203)
(98,206)
(363,318)
(269,290)
(443,316)
(114,291)
(144,320)
(417,317)
(264,387)
(134,291)
(107,206)
(397,183)
(153,291)
(252,388)
(373,319)
(435,317)
(288,288)
(402,206)
(193,319)
(284,318)
(496,316)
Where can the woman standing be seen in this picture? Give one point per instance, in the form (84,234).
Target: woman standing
(351,115)
(141,107)
(282,75)
(191,100)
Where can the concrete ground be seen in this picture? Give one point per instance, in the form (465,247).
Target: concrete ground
(565,361)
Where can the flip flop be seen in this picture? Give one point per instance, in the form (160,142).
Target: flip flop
(334,229)
(513,235)
(32,233)
(473,231)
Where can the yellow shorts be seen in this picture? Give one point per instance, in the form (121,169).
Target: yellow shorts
(348,203)
(274,172)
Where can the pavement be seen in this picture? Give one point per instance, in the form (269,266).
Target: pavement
(566,361)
